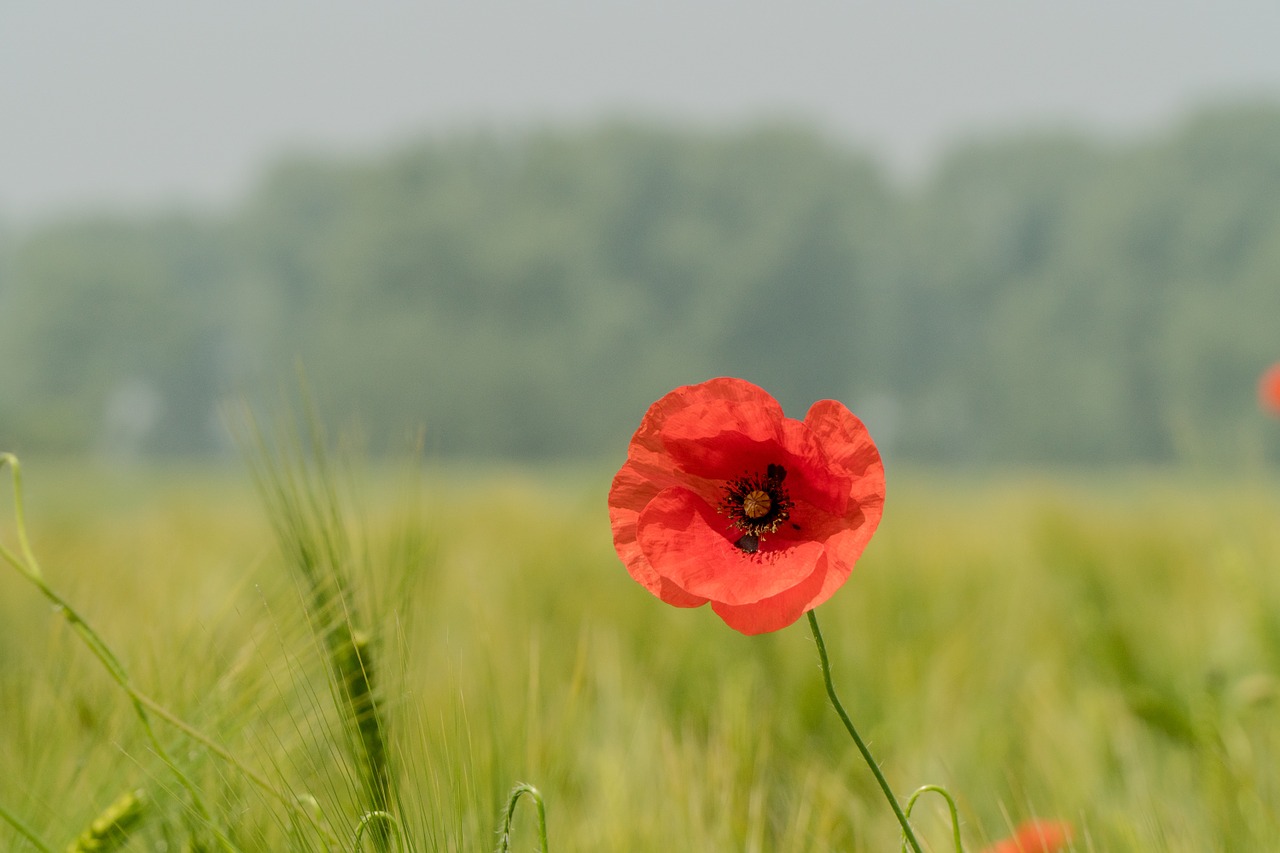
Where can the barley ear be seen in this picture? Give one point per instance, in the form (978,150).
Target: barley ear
(110,830)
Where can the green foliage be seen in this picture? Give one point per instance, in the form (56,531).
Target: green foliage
(1038,298)
(1101,652)
(297,485)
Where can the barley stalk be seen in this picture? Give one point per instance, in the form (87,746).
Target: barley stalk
(298,488)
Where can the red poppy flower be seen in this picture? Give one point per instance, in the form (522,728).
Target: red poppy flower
(1269,390)
(725,499)
(1035,836)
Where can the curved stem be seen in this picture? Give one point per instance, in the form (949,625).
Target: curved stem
(504,837)
(951,804)
(387,819)
(18,513)
(907,832)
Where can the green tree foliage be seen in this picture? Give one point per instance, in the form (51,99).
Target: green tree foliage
(110,335)
(1042,298)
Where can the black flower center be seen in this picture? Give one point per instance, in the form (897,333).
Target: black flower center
(756,504)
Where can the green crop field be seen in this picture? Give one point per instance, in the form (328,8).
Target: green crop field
(1103,650)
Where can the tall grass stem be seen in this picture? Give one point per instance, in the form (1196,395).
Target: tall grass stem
(142,704)
(24,830)
(299,489)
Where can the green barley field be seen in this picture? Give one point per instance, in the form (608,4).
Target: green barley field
(1099,648)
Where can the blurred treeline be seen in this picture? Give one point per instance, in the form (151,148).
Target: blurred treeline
(1038,298)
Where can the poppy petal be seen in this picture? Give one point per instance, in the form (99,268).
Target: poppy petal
(778,611)
(704,443)
(686,541)
(848,445)
(1035,836)
(690,449)
(1269,390)
(630,492)
(725,394)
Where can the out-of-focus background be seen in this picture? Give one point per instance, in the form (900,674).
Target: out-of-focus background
(1003,233)
(1036,240)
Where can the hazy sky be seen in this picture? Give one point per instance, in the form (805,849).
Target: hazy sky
(147,102)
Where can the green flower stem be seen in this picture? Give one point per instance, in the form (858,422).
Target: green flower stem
(504,836)
(951,804)
(907,832)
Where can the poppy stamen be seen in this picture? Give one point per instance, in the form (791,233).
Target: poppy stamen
(756,504)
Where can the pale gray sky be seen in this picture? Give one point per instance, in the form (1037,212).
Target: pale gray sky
(147,102)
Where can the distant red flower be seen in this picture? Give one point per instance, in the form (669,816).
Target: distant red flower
(1035,836)
(725,499)
(1269,390)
